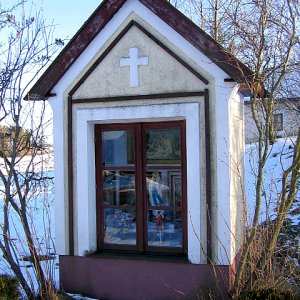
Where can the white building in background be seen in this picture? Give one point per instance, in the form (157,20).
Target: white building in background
(286,119)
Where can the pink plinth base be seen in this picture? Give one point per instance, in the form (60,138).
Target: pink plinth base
(138,279)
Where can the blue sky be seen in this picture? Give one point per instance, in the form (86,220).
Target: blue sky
(68,15)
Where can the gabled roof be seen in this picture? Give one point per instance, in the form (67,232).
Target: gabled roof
(164,10)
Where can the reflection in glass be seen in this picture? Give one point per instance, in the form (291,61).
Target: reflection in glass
(118,188)
(120,227)
(164,188)
(118,148)
(163,146)
(164,228)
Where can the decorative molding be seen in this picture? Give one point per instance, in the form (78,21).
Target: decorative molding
(139,97)
(133,62)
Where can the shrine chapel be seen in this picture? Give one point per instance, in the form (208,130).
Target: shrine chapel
(148,151)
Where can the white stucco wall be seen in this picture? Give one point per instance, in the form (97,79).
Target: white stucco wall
(228,146)
(237,156)
(61,174)
(192,110)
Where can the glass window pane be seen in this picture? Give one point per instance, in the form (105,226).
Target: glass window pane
(163,146)
(119,227)
(164,188)
(118,148)
(278,122)
(164,228)
(118,188)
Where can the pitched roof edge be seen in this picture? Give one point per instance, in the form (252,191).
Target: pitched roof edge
(164,10)
(97,21)
(200,39)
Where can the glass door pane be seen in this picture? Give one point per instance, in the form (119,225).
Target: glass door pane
(164,197)
(163,146)
(118,148)
(164,228)
(120,227)
(119,187)
(164,187)
(163,149)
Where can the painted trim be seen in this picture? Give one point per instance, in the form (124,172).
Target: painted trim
(118,38)
(139,97)
(70,177)
(208,176)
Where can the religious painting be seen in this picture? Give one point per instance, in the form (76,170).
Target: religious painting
(163,146)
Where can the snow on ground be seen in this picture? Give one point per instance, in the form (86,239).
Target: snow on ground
(279,159)
(280,156)
(42,221)
(37,164)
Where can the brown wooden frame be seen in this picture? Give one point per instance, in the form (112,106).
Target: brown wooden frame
(140,169)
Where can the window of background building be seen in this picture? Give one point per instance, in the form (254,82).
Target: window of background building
(278,122)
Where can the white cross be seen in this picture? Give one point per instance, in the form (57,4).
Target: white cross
(133,61)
